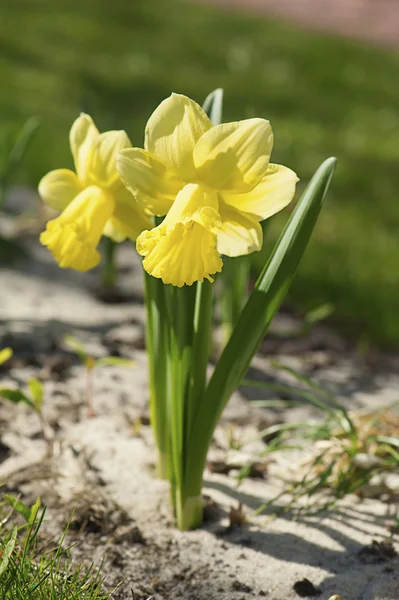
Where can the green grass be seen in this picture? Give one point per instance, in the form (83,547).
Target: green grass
(349,448)
(324,96)
(30,570)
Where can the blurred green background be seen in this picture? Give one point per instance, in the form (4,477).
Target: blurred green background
(324,96)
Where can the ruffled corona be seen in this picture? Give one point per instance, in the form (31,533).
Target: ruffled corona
(183,248)
(74,235)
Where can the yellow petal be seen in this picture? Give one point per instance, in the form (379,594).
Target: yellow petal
(172,132)
(241,233)
(81,138)
(111,230)
(148,179)
(73,237)
(271,195)
(103,159)
(129,217)
(234,156)
(194,203)
(183,248)
(58,188)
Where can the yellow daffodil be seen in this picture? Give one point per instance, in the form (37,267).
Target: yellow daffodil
(214,183)
(93,200)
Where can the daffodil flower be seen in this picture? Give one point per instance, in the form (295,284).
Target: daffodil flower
(93,200)
(214,183)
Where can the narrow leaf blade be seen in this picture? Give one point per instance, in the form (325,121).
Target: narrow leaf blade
(114,361)
(15,396)
(213,106)
(20,507)
(37,392)
(77,347)
(8,550)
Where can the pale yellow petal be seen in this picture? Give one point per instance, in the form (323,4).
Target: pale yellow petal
(106,146)
(111,230)
(148,179)
(234,156)
(172,132)
(73,237)
(194,203)
(58,188)
(81,138)
(129,217)
(271,195)
(240,234)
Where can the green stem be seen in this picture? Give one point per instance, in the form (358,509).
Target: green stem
(189,512)
(157,342)
(235,284)
(194,343)
(181,319)
(201,348)
(162,465)
(109,266)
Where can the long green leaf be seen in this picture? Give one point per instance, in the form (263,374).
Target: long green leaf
(255,318)
(213,106)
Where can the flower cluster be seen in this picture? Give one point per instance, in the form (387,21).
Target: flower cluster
(215,184)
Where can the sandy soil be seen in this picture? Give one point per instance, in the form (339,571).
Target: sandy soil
(105,465)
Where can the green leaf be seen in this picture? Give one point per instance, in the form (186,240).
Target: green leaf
(213,106)
(37,392)
(115,361)
(22,509)
(319,313)
(77,347)
(8,550)
(16,396)
(256,316)
(5,355)
(22,142)
(34,510)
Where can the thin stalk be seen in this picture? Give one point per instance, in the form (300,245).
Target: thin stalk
(157,343)
(109,267)
(201,348)
(181,323)
(235,284)
(89,393)
(194,347)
